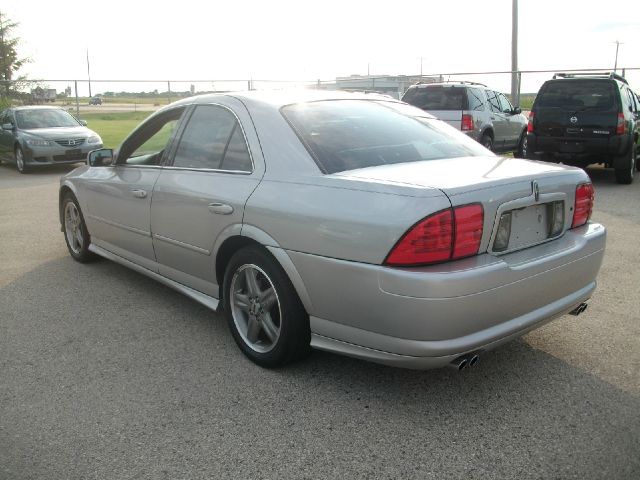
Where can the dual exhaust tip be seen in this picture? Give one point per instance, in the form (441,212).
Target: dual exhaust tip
(579,309)
(464,361)
(471,359)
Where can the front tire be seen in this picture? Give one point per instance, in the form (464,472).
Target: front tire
(76,235)
(20,163)
(624,174)
(263,310)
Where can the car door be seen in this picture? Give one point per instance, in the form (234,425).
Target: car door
(6,136)
(498,119)
(200,197)
(119,196)
(513,126)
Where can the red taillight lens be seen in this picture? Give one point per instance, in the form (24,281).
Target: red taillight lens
(468,223)
(467,122)
(621,127)
(583,206)
(530,123)
(449,234)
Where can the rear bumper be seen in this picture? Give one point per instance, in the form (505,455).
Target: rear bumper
(594,149)
(426,317)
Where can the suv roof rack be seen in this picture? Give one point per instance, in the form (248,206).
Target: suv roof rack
(612,75)
(466,82)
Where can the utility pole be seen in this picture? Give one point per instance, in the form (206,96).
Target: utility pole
(420,67)
(515,90)
(89,73)
(615,66)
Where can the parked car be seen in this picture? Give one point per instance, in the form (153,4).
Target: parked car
(485,115)
(33,137)
(95,100)
(352,223)
(582,118)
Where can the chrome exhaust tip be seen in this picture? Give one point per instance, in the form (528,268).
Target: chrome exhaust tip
(579,309)
(474,360)
(460,363)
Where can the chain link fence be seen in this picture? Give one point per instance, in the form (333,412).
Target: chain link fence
(143,95)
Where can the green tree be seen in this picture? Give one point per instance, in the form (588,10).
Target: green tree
(10,62)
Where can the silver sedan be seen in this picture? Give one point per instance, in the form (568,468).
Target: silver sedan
(351,223)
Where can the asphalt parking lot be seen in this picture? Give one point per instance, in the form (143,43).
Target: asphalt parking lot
(105,374)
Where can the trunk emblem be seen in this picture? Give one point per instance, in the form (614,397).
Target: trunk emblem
(573,119)
(536,190)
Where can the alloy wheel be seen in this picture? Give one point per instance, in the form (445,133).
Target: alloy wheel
(73,228)
(255,308)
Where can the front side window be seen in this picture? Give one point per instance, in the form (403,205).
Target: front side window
(505,105)
(44,118)
(147,146)
(350,134)
(213,140)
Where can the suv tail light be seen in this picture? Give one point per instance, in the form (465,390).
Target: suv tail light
(530,123)
(621,127)
(583,206)
(446,235)
(467,122)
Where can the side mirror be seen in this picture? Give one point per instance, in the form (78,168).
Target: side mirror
(516,110)
(7,126)
(100,158)
(83,123)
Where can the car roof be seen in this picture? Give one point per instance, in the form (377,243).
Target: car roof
(277,99)
(450,84)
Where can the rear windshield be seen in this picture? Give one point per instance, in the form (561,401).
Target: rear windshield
(437,98)
(577,95)
(350,134)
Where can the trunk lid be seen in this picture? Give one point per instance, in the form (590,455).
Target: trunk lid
(501,185)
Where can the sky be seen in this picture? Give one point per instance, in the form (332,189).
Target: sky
(320,39)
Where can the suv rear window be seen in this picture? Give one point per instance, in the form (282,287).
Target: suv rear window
(578,95)
(350,134)
(437,98)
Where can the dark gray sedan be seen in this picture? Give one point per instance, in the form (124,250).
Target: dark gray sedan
(351,223)
(38,136)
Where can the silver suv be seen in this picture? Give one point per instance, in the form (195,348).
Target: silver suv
(485,115)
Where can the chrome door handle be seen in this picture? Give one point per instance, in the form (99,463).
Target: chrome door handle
(220,208)
(139,193)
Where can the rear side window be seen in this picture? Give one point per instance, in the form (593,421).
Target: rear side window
(476,99)
(350,134)
(494,103)
(437,98)
(578,95)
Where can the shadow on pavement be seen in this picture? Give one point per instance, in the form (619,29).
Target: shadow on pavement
(107,374)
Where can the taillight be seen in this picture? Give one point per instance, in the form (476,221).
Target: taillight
(621,127)
(446,235)
(583,206)
(530,123)
(467,122)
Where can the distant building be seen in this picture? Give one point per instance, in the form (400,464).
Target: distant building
(394,86)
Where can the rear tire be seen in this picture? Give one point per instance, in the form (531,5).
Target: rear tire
(263,310)
(487,142)
(521,152)
(624,175)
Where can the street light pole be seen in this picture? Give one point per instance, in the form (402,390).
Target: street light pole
(615,66)
(88,73)
(515,90)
